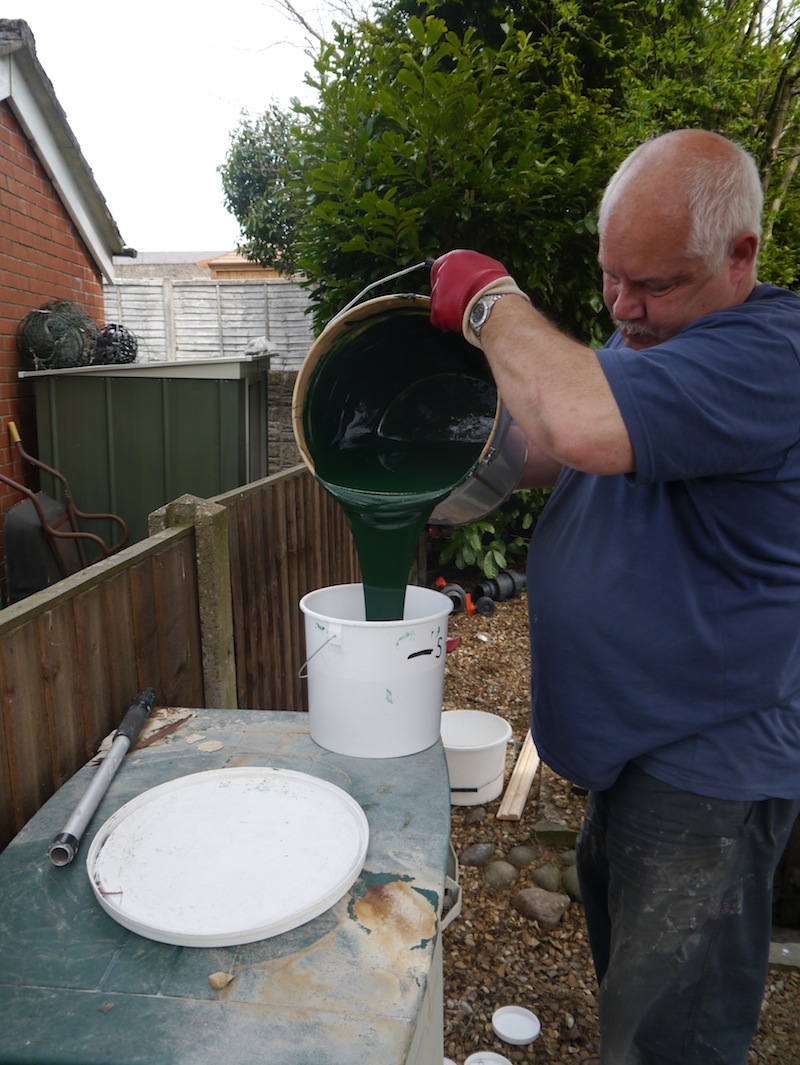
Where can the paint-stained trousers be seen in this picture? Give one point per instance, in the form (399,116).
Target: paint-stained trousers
(677,890)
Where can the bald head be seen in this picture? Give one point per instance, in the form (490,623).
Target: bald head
(695,182)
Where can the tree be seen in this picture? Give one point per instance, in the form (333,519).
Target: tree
(735,68)
(498,131)
(425,141)
(260,188)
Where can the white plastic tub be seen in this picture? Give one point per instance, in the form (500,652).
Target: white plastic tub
(475,748)
(375,687)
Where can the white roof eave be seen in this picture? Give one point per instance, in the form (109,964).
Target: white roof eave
(29,93)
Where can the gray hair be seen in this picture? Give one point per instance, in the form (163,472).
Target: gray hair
(725,198)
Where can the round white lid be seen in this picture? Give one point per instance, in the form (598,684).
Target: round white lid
(486,1057)
(228,856)
(516,1025)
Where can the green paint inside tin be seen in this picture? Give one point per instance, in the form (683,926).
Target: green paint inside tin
(396,415)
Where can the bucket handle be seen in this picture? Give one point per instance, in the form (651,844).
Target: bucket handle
(382,281)
(302,673)
(470,791)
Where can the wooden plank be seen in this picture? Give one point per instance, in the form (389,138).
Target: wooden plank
(242,608)
(93,680)
(516,794)
(166,657)
(25,733)
(60,703)
(120,647)
(300,525)
(284,559)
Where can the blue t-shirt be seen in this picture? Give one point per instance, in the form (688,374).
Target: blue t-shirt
(665,605)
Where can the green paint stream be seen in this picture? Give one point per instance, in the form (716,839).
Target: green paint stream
(396,416)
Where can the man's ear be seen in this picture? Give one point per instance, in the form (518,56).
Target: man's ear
(742,255)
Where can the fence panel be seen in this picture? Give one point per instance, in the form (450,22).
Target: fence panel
(142,308)
(287,536)
(192,319)
(73,657)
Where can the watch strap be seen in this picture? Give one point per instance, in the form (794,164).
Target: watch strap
(502,286)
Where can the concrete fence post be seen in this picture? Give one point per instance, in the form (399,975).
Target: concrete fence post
(213,589)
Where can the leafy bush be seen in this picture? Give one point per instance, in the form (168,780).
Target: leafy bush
(484,130)
(497,542)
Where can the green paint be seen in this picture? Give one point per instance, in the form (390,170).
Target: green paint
(396,416)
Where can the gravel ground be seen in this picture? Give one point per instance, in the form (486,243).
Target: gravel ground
(493,956)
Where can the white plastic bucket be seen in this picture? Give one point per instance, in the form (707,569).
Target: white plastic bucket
(375,687)
(475,749)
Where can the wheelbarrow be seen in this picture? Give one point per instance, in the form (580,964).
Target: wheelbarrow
(44,541)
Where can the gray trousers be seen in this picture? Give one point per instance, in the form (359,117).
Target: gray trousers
(677,890)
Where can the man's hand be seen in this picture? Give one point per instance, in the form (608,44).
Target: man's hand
(456,279)
(459,279)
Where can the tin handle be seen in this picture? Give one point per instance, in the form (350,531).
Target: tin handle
(383,281)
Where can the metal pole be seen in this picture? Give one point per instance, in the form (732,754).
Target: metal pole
(65,845)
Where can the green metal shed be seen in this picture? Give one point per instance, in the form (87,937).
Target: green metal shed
(131,438)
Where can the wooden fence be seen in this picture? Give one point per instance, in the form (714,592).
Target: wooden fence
(73,656)
(206,319)
(284,541)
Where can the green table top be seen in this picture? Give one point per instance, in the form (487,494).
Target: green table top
(347,987)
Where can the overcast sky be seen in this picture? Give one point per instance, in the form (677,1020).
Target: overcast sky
(152,90)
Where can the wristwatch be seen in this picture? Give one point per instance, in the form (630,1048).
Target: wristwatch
(479,315)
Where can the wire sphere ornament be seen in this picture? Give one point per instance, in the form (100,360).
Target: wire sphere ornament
(115,345)
(56,336)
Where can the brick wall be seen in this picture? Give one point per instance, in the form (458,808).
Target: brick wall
(42,257)
(283,452)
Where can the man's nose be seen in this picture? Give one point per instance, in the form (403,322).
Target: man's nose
(628,303)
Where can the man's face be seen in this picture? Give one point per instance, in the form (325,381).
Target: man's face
(651,288)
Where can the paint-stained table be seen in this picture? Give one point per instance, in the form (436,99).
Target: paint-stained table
(360,983)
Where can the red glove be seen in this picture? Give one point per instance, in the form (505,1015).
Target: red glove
(456,279)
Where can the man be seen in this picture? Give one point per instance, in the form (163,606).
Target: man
(664,586)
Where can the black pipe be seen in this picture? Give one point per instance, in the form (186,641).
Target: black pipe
(507,584)
(457,596)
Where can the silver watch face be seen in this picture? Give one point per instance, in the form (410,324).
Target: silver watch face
(480,312)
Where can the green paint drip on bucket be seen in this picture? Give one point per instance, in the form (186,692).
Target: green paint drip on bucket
(396,415)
